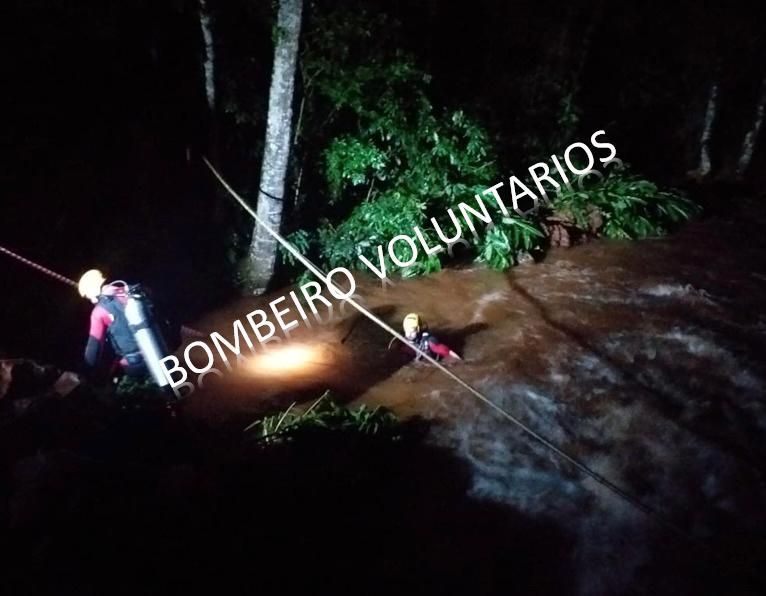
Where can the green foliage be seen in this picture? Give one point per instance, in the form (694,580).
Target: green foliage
(373,222)
(130,388)
(395,161)
(326,414)
(631,207)
(391,161)
(138,393)
(500,247)
(301,240)
(352,162)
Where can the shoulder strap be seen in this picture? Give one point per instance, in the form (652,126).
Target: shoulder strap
(113,306)
(119,332)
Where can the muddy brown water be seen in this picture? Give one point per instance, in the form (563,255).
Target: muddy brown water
(643,359)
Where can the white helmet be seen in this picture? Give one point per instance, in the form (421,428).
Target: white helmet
(90,284)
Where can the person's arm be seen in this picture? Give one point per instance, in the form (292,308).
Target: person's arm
(96,337)
(441,349)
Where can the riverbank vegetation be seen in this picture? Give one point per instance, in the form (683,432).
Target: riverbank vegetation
(324,414)
(387,158)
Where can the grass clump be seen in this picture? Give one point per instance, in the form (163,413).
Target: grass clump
(325,414)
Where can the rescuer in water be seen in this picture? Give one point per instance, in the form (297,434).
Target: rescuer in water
(415,331)
(120,315)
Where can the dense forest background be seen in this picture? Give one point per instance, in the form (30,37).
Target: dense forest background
(106,120)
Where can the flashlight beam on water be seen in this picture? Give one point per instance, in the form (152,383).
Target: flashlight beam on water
(291,359)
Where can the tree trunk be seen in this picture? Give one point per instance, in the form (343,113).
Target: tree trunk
(263,248)
(209,63)
(751,138)
(703,169)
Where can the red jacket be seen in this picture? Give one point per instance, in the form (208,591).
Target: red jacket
(100,320)
(429,343)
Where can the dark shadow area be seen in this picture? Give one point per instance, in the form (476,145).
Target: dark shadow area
(142,502)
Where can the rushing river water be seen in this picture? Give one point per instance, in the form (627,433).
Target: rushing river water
(644,360)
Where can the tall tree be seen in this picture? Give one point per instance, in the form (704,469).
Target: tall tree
(748,144)
(209,66)
(711,109)
(209,62)
(263,247)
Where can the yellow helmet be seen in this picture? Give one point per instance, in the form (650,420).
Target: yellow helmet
(411,322)
(90,283)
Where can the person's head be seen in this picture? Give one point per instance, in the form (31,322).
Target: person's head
(411,325)
(90,285)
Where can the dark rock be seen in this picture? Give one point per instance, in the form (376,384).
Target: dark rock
(22,380)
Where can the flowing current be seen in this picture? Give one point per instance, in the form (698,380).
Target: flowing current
(644,360)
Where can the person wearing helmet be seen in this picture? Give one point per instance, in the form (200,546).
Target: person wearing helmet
(415,331)
(107,320)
